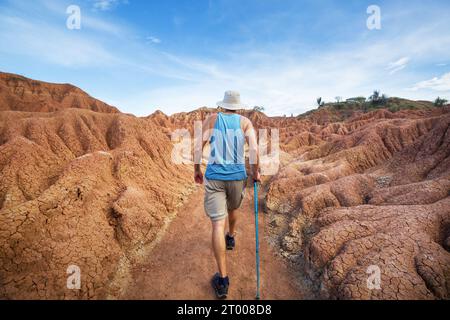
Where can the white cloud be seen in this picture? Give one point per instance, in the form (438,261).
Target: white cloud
(105,5)
(398,65)
(436,84)
(282,86)
(154,39)
(88,20)
(26,38)
(102,26)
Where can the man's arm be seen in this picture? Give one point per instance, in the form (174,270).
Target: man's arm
(250,135)
(198,149)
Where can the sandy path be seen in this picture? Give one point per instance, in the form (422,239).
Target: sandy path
(182,263)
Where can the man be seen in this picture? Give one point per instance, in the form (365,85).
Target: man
(226,176)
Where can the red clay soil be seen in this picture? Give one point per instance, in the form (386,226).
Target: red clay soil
(83,184)
(182,264)
(18,93)
(81,188)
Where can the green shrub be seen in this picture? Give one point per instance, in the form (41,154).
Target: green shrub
(378,99)
(394,108)
(360,100)
(439,102)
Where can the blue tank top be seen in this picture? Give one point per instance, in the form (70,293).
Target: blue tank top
(226,159)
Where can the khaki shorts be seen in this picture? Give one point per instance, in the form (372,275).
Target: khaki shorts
(221,196)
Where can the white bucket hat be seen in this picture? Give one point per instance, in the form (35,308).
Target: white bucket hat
(231,101)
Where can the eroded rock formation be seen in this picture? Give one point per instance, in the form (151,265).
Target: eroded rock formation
(83,184)
(18,93)
(373,194)
(80,188)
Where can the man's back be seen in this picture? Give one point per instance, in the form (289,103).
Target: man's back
(227,140)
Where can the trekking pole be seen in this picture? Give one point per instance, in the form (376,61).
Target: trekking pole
(257,239)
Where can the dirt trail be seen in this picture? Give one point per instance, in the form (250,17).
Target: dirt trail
(182,264)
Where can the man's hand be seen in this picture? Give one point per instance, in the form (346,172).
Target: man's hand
(257,177)
(198,176)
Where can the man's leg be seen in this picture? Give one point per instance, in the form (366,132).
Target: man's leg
(218,241)
(235,195)
(232,219)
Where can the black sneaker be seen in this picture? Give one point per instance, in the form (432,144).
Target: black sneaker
(220,286)
(230,242)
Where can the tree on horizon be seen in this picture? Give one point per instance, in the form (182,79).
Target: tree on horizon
(320,102)
(439,102)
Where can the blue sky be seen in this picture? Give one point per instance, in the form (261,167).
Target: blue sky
(179,55)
